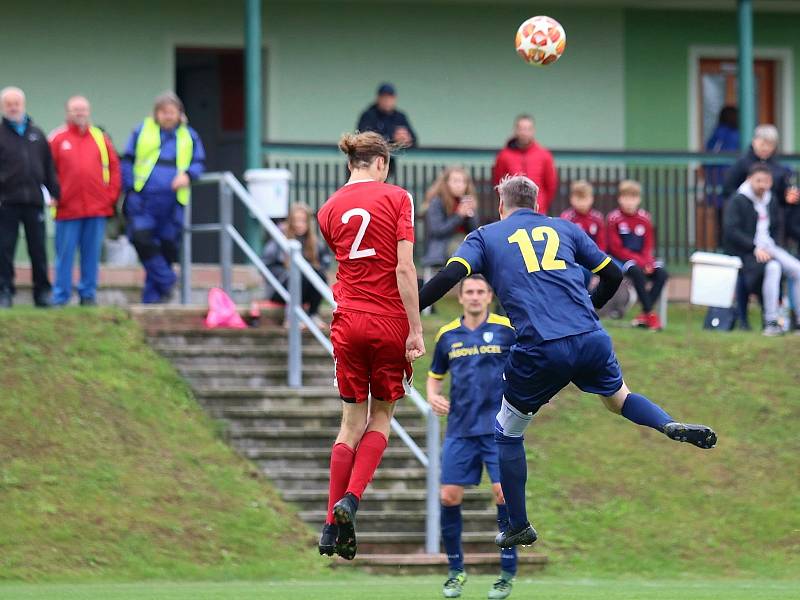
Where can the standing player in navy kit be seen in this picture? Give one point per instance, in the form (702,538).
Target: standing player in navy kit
(533,263)
(474,349)
(376,330)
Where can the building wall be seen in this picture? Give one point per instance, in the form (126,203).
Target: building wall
(454,65)
(656,68)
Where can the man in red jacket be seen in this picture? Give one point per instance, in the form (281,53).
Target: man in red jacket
(88,169)
(631,239)
(523,156)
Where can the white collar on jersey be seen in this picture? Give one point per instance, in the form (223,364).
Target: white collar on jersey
(359,181)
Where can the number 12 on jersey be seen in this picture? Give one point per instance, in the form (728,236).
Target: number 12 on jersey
(538,234)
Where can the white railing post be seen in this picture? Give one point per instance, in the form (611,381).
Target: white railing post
(186,255)
(225,242)
(295,366)
(432,527)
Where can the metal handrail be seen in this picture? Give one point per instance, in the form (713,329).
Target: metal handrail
(299,267)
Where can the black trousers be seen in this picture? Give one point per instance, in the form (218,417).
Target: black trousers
(32,219)
(648,297)
(310,294)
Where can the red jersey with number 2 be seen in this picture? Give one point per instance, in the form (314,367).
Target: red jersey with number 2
(362,223)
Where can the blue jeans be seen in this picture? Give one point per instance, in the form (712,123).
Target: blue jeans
(86,234)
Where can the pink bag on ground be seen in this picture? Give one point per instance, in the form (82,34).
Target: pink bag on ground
(222,311)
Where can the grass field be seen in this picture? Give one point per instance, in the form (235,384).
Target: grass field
(406,588)
(110,472)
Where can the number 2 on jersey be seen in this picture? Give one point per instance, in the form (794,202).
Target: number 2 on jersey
(538,234)
(365,218)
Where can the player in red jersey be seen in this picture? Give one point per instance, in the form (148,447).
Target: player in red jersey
(376,330)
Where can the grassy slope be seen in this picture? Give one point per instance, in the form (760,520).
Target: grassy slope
(109,469)
(612,498)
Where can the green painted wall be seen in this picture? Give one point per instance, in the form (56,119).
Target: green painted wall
(458,76)
(656,68)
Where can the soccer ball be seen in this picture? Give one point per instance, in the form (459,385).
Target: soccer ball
(540,41)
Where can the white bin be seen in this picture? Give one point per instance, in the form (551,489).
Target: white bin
(270,190)
(714,279)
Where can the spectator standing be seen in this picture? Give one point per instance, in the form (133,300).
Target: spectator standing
(724,138)
(523,156)
(161,159)
(450,214)
(315,250)
(26,166)
(88,170)
(581,199)
(384,118)
(751,227)
(630,242)
(764,149)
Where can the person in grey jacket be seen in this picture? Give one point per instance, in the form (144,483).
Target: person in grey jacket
(315,251)
(450,214)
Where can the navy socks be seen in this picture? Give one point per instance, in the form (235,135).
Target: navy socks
(508,556)
(450,518)
(642,411)
(513,475)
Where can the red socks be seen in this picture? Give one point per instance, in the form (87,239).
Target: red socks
(367,458)
(342,458)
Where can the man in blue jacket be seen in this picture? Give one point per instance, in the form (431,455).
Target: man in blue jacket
(384,118)
(163,156)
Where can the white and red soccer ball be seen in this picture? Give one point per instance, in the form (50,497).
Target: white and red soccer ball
(540,41)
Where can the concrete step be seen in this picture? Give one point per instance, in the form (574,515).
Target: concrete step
(257,376)
(397,455)
(385,500)
(412,521)
(229,349)
(386,478)
(297,437)
(419,563)
(252,337)
(325,416)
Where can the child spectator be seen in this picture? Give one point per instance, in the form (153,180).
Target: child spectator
(581,199)
(630,242)
(450,214)
(315,250)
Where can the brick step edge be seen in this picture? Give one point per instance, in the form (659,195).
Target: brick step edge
(475,558)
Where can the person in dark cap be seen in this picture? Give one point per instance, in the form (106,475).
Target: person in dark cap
(384,118)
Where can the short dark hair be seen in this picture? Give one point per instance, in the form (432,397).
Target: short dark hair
(759,167)
(524,117)
(518,191)
(476,277)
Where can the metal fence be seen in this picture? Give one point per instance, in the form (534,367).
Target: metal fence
(682,191)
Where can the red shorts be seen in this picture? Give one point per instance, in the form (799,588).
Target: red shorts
(369,352)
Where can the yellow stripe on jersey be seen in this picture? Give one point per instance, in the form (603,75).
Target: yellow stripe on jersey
(435,375)
(498,320)
(458,259)
(447,327)
(602,264)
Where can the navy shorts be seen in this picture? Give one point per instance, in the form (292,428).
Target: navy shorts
(463,459)
(534,375)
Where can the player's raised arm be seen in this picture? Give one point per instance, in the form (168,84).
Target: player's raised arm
(467,260)
(407,286)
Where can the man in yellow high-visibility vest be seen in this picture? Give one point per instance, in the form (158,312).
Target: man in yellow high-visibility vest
(161,159)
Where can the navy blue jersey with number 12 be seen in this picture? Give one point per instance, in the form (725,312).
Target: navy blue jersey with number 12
(533,264)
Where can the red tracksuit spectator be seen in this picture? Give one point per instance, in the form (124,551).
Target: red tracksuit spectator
(630,242)
(88,169)
(523,156)
(581,199)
